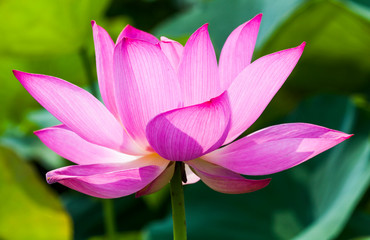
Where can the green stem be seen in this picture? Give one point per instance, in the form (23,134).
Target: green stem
(178,204)
(109,218)
(89,71)
(108,207)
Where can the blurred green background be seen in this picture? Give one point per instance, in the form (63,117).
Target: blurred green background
(325,198)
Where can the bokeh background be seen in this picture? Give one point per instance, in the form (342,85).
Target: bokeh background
(325,198)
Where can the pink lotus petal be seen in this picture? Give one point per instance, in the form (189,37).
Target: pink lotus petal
(69,145)
(191,177)
(256,85)
(198,72)
(104,180)
(131,32)
(276,148)
(187,133)
(223,180)
(146,85)
(237,51)
(161,181)
(173,50)
(76,108)
(104,47)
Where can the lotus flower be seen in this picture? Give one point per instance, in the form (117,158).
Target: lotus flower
(164,103)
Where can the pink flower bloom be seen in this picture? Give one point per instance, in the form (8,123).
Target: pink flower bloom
(165,103)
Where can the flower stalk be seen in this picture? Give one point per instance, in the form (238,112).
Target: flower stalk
(178,204)
(108,210)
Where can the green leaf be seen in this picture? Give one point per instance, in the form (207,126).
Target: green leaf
(337,51)
(157,199)
(43,27)
(340,190)
(31,148)
(358,226)
(224,16)
(311,201)
(122,236)
(29,209)
(131,214)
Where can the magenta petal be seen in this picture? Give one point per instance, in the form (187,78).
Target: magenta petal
(146,85)
(69,145)
(256,85)
(198,71)
(237,51)
(104,180)
(223,180)
(187,133)
(157,184)
(76,108)
(276,148)
(173,50)
(131,32)
(104,47)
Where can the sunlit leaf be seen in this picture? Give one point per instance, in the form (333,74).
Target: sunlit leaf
(29,210)
(44,27)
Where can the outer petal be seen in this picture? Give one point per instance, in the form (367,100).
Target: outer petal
(104,47)
(161,181)
(187,133)
(276,148)
(69,145)
(131,32)
(198,72)
(77,109)
(105,180)
(223,180)
(173,50)
(256,85)
(191,177)
(237,51)
(146,85)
